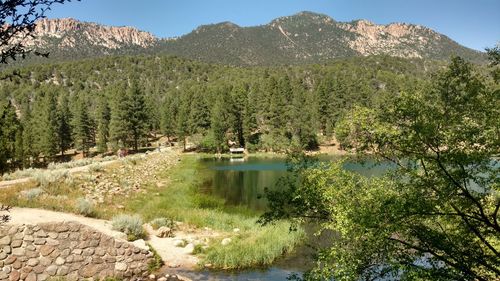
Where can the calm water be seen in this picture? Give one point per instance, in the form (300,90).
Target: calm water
(241,181)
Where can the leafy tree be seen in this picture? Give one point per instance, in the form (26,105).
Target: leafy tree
(435,215)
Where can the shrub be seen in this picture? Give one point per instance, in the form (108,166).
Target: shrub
(130,225)
(46,177)
(96,167)
(159,222)
(85,207)
(32,193)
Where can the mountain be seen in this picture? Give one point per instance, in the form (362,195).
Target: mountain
(71,39)
(299,39)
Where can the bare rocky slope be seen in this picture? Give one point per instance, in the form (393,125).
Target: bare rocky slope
(298,39)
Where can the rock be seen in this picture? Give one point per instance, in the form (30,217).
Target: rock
(31,277)
(162,279)
(225,241)
(10,260)
(152,276)
(60,261)
(120,266)
(29,238)
(88,271)
(164,232)
(45,261)
(2,255)
(18,252)
(189,248)
(32,262)
(141,244)
(46,250)
(5,241)
(178,243)
(41,234)
(39,241)
(42,277)
(51,270)
(14,275)
(63,270)
(6,249)
(236,230)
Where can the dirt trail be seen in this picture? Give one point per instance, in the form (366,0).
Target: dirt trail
(9,183)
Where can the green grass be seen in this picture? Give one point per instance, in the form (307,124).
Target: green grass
(178,199)
(253,246)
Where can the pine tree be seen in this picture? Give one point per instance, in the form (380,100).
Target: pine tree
(168,115)
(138,118)
(64,124)
(119,121)
(46,125)
(182,126)
(82,128)
(324,93)
(103,119)
(9,130)
(199,115)
(219,123)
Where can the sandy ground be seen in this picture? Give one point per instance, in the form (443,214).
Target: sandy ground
(172,255)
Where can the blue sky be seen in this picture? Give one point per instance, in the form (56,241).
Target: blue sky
(473,23)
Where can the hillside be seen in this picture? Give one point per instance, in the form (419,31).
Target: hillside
(299,39)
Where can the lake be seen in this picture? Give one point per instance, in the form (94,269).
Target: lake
(241,181)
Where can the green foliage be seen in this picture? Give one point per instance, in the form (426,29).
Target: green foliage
(159,222)
(435,216)
(130,225)
(260,247)
(82,128)
(156,262)
(117,102)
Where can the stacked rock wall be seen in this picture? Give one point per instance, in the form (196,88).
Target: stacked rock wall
(70,250)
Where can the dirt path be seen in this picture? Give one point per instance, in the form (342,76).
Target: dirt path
(9,183)
(172,255)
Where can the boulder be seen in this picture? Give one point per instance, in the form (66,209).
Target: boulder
(164,232)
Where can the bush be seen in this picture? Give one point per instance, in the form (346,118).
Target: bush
(159,222)
(46,177)
(32,193)
(85,207)
(130,225)
(96,167)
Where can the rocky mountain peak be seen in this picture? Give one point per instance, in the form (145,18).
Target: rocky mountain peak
(70,31)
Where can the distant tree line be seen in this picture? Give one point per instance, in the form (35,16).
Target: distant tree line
(122,101)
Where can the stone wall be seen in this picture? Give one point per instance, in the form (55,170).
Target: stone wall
(70,250)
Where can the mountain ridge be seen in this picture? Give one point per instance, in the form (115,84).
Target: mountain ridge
(302,38)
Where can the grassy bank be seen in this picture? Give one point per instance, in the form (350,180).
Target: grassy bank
(252,246)
(167,188)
